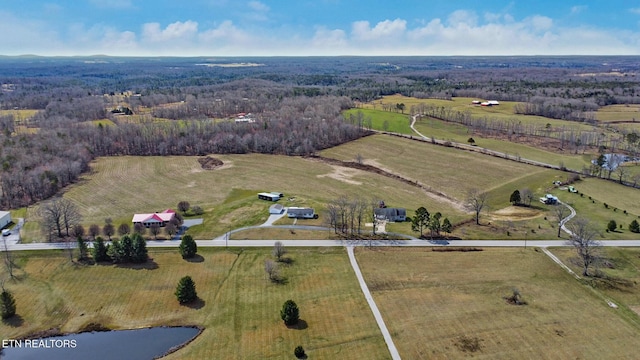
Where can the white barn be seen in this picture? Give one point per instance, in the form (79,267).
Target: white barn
(5,219)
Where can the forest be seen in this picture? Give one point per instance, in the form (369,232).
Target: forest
(80,108)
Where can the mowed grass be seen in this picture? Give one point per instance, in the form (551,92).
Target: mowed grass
(618,113)
(443,130)
(118,187)
(430,300)
(382,120)
(239,307)
(622,263)
(446,170)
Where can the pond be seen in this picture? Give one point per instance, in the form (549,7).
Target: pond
(124,344)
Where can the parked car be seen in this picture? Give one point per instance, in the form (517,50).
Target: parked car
(6,232)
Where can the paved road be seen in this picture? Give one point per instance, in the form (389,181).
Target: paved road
(328,243)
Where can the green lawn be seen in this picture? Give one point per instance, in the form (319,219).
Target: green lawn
(382,120)
(239,307)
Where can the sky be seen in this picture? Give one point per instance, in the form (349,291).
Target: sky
(319,27)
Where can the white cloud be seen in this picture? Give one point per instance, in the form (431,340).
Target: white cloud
(329,40)
(462,18)
(578,9)
(635,11)
(177,30)
(258,6)
(361,30)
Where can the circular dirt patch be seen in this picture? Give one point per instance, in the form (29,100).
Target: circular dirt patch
(516,213)
(210,163)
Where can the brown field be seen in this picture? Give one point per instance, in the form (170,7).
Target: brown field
(432,300)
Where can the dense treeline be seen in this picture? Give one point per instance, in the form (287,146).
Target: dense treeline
(35,166)
(295,105)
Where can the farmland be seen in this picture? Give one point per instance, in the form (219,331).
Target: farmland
(238,307)
(448,297)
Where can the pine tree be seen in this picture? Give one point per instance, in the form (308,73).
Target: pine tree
(82,249)
(634,227)
(99,251)
(186,290)
(7,304)
(139,249)
(515,198)
(188,247)
(290,313)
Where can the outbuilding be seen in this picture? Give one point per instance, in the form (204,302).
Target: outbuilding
(5,219)
(276,209)
(391,214)
(272,196)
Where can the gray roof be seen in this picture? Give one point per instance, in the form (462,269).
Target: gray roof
(390,212)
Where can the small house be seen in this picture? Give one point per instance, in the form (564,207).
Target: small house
(161,219)
(391,214)
(301,213)
(5,219)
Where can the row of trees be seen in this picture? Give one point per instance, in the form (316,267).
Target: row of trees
(422,220)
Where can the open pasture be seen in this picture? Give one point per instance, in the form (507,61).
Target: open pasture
(238,306)
(433,301)
(118,187)
(382,120)
(618,113)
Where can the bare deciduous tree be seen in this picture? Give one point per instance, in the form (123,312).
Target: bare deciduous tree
(59,216)
(184,206)
(278,250)
(170,229)
(271,268)
(154,229)
(94,230)
(527,196)
(476,202)
(560,211)
(108,230)
(124,229)
(582,240)
(8,257)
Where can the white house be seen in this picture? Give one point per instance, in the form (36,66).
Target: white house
(391,214)
(5,219)
(161,219)
(301,213)
(271,196)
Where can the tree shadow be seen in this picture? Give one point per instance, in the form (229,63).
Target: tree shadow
(14,321)
(148,265)
(286,260)
(196,304)
(197,258)
(300,325)
(279,280)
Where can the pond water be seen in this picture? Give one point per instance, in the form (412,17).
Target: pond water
(120,345)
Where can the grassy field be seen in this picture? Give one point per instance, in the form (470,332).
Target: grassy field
(622,263)
(383,120)
(239,307)
(20,115)
(118,187)
(267,234)
(618,113)
(434,300)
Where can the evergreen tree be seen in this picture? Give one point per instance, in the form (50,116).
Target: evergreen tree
(99,250)
(188,247)
(634,227)
(290,313)
(126,250)
(612,225)
(299,353)
(139,249)
(186,290)
(82,248)
(446,226)
(7,304)
(420,220)
(515,198)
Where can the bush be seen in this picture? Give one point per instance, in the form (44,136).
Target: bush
(290,313)
(197,210)
(7,304)
(188,247)
(299,352)
(186,290)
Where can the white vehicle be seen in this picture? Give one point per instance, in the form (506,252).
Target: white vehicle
(6,232)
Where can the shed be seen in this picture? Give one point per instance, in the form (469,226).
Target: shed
(276,209)
(269,196)
(5,219)
(301,213)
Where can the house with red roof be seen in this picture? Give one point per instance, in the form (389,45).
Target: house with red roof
(159,218)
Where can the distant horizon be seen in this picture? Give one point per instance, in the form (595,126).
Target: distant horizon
(268,28)
(309,56)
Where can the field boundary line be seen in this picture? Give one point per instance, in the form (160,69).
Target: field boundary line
(372,304)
